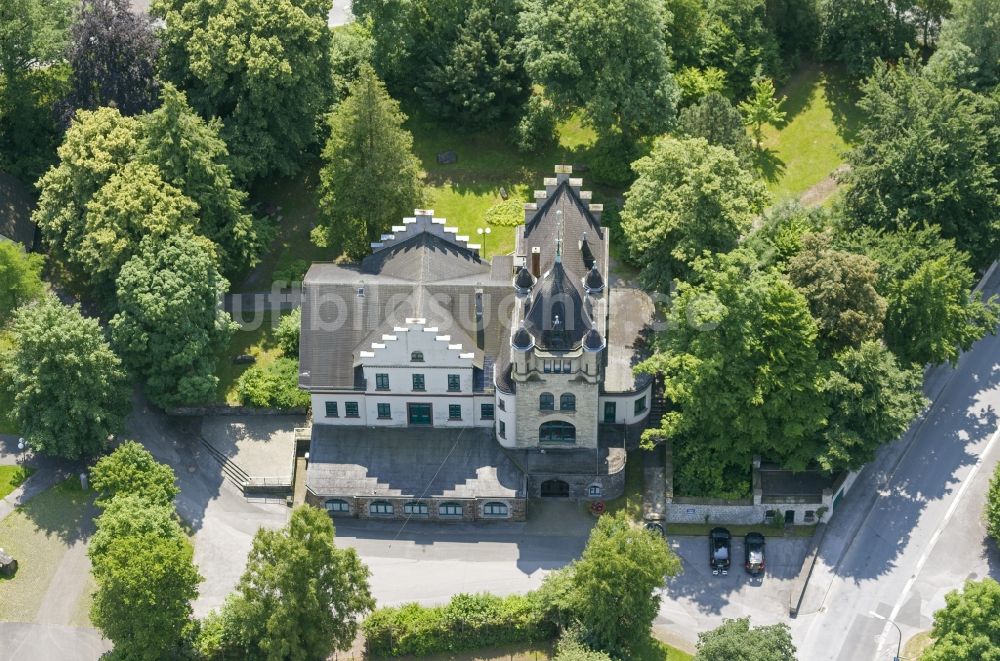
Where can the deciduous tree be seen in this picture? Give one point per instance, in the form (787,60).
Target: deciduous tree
(20,278)
(69,389)
(992,510)
(568,45)
(924,157)
(736,639)
(840,288)
(762,108)
(855,33)
(169,325)
(715,119)
(370,178)
(965,629)
(132,471)
(689,198)
(299,597)
(976,25)
(146,579)
(112,55)
(262,67)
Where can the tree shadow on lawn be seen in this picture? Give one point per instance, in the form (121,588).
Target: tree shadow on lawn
(842,96)
(799,90)
(64,510)
(769,164)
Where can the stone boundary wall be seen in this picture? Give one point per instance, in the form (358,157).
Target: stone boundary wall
(472,508)
(224,409)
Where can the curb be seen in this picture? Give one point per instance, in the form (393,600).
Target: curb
(802,580)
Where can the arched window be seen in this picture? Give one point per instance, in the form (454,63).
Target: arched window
(417,357)
(450,509)
(495,509)
(415,509)
(380,507)
(337,505)
(546,402)
(557,431)
(567,402)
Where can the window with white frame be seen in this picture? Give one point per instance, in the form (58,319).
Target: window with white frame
(495,509)
(380,507)
(595,490)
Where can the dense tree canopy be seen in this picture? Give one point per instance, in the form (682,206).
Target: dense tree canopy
(740,364)
(146,579)
(872,401)
(932,315)
(169,325)
(609,595)
(840,288)
(299,598)
(191,156)
(370,178)
(68,386)
(924,157)
(736,639)
(569,45)
(736,37)
(20,278)
(262,67)
(857,32)
(33,37)
(112,56)
(975,24)
(480,78)
(762,107)
(132,470)
(689,197)
(966,628)
(97,145)
(715,119)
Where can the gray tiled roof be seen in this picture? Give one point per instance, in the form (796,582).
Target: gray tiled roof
(410,462)
(542,229)
(424,276)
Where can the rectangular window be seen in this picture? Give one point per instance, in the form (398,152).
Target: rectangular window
(331,410)
(454,411)
(351,409)
(557,366)
(419,414)
(546,366)
(454,384)
(495,509)
(503,429)
(640,405)
(567,366)
(418,382)
(610,411)
(486,411)
(450,509)
(594,490)
(381,382)
(502,405)
(416,509)
(380,508)
(384,412)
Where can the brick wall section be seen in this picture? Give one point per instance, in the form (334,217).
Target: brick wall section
(472,509)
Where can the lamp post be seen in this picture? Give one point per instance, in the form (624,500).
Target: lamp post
(484,232)
(20,447)
(899,645)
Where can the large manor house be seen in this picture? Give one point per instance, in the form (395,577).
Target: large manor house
(445,386)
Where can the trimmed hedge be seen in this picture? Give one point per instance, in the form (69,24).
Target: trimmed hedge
(468,621)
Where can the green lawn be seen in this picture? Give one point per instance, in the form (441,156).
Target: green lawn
(256,339)
(631,499)
(37,535)
(11,477)
(820,124)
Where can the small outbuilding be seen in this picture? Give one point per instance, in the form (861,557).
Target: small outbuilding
(8,565)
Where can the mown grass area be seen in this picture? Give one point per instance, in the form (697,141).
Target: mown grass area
(917,645)
(38,534)
(11,477)
(821,121)
(631,499)
(256,338)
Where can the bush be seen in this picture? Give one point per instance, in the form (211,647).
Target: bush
(506,214)
(993,506)
(287,333)
(611,159)
(537,128)
(275,385)
(468,621)
(572,648)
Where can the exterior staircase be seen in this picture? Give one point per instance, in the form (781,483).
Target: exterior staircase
(231,471)
(658,405)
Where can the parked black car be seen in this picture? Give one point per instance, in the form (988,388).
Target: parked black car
(719,547)
(753,553)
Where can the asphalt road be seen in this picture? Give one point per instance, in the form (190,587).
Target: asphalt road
(911,529)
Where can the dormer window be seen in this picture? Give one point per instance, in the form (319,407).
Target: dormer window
(361,292)
(417,357)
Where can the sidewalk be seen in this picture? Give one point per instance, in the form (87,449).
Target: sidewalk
(40,480)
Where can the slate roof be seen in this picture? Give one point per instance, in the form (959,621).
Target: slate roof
(410,462)
(558,307)
(542,228)
(427,276)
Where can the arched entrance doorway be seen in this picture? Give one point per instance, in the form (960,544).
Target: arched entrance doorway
(555,489)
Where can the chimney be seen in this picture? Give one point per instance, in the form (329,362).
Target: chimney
(536,262)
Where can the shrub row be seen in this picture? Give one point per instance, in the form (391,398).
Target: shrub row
(468,621)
